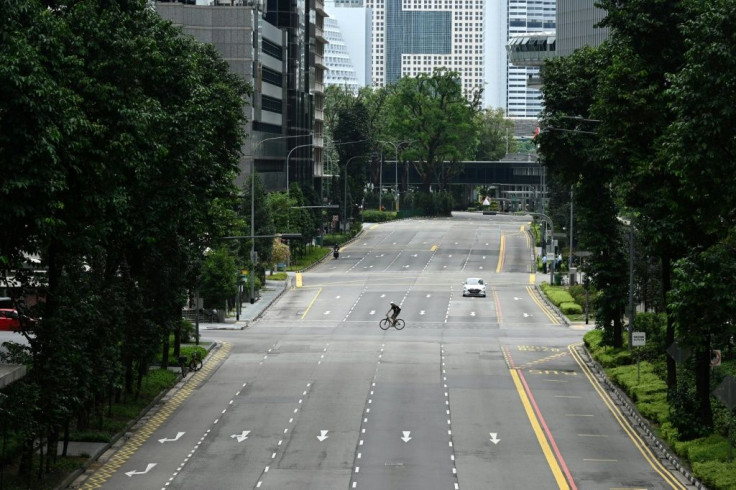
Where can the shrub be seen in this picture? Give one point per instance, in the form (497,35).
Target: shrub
(571,308)
(558,295)
(593,340)
(375,216)
(278,276)
(716,474)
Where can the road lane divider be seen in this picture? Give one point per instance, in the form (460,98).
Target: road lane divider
(501,253)
(633,435)
(554,466)
(542,306)
(549,447)
(311,303)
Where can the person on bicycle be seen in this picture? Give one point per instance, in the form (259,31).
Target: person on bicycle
(396,310)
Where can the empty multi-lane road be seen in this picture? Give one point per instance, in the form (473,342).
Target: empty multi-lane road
(475,393)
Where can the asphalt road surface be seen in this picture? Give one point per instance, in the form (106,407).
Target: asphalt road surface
(475,393)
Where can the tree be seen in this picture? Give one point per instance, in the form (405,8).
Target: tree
(219,278)
(432,111)
(113,168)
(645,47)
(495,137)
(570,145)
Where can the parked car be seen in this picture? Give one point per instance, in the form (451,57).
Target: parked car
(474,286)
(9,319)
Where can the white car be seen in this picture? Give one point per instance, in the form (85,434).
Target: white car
(473,286)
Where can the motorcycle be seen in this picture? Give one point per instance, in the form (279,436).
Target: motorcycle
(336,252)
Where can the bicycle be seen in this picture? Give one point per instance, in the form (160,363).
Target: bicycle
(386,323)
(195,363)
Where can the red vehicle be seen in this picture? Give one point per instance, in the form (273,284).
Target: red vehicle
(9,319)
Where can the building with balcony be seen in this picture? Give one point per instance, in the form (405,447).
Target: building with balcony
(348,54)
(273,46)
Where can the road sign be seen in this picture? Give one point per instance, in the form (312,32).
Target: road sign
(726,392)
(638,339)
(679,354)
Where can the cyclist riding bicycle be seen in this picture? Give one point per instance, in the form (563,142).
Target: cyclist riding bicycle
(396,310)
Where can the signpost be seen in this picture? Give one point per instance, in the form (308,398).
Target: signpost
(638,339)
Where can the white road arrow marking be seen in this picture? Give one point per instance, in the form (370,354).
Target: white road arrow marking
(526,315)
(327,312)
(516,299)
(415,255)
(421,312)
(323,435)
(429,296)
(484,257)
(337,297)
(494,437)
(406,437)
(472,313)
(148,468)
(481,267)
(178,435)
(406,266)
(241,437)
(383,295)
(373,312)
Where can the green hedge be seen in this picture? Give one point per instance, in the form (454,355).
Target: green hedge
(709,456)
(557,294)
(571,308)
(375,216)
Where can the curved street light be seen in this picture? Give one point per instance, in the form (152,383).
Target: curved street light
(396,173)
(289,156)
(252,210)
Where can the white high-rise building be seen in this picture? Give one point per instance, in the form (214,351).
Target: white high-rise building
(348,54)
(526,16)
(416,36)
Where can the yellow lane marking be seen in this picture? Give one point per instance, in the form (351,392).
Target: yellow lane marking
(311,303)
(545,309)
(522,228)
(299,279)
(633,435)
(501,252)
(499,313)
(105,472)
(541,439)
(532,278)
(433,248)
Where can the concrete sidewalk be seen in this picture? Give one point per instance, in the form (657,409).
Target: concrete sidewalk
(251,312)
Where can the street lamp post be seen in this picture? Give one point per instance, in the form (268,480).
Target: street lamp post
(287,163)
(396,166)
(552,231)
(345,200)
(253,214)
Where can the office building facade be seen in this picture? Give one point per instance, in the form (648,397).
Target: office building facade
(348,54)
(417,36)
(576,25)
(279,61)
(527,17)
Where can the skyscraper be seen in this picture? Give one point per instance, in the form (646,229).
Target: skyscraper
(526,16)
(576,20)
(348,54)
(416,36)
